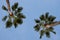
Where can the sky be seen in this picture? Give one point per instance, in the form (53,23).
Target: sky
(32,9)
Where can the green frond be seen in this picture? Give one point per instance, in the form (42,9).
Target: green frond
(51,29)
(8,24)
(4,18)
(51,18)
(15,25)
(15,6)
(47,34)
(42,17)
(41,33)
(46,15)
(15,22)
(20,15)
(37,27)
(37,21)
(4,8)
(53,32)
(19,9)
(19,21)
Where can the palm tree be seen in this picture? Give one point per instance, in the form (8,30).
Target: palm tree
(45,24)
(15,16)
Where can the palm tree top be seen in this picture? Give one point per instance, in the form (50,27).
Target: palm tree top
(14,16)
(45,24)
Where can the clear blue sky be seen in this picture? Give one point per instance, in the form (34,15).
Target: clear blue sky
(32,9)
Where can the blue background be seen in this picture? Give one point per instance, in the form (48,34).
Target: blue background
(32,9)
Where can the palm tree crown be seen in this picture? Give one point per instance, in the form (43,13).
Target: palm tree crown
(15,16)
(45,24)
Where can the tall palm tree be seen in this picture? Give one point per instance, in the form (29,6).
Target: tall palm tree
(14,16)
(45,24)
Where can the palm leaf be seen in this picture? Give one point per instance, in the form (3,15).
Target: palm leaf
(42,33)
(4,8)
(51,29)
(42,17)
(47,34)
(46,15)
(19,21)
(37,27)
(15,24)
(14,7)
(51,18)
(8,24)
(4,18)
(19,9)
(20,15)
(37,21)
(53,32)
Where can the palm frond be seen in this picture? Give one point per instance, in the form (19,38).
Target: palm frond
(42,17)
(4,8)
(46,15)
(51,28)
(8,24)
(41,33)
(19,9)
(15,25)
(15,6)
(19,21)
(15,22)
(20,15)
(47,34)
(51,18)
(37,21)
(37,27)
(53,32)
(4,18)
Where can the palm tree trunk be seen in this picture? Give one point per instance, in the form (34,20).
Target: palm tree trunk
(9,10)
(8,5)
(53,24)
